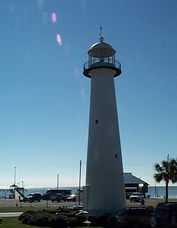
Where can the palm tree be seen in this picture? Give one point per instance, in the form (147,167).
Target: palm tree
(173,170)
(162,174)
(167,172)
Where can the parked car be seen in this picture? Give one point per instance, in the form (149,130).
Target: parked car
(136,197)
(80,212)
(71,198)
(57,197)
(165,215)
(128,194)
(32,197)
(56,194)
(134,217)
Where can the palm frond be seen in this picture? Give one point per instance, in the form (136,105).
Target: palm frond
(166,171)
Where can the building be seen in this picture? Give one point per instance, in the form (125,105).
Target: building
(104,191)
(17,192)
(134,184)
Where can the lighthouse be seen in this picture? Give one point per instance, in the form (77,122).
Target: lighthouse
(104,190)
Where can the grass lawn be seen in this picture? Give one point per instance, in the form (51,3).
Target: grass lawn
(22,209)
(13,222)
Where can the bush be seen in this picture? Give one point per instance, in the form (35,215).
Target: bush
(37,218)
(51,211)
(73,222)
(93,219)
(50,219)
(40,219)
(112,223)
(58,222)
(25,217)
(102,220)
(81,219)
(76,221)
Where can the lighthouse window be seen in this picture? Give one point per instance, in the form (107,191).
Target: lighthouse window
(96,121)
(116,156)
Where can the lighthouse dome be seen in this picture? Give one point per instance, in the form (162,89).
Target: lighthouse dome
(101,50)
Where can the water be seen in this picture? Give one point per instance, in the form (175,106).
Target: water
(160,191)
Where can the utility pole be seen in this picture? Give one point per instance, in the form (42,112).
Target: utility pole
(14,175)
(168,157)
(57,181)
(167,181)
(80,182)
(155,190)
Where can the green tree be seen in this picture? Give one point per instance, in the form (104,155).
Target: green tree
(166,171)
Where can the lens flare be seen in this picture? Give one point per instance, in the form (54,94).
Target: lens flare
(59,40)
(54,17)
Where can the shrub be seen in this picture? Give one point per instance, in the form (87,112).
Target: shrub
(40,219)
(102,220)
(76,221)
(112,223)
(58,222)
(73,221)
(51,211)
(93,219)
(37,218)
(25,217)
(81,219)
(46,218)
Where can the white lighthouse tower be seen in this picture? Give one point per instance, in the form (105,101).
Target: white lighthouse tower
(104,190)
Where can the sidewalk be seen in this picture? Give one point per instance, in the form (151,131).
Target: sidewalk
(10,214)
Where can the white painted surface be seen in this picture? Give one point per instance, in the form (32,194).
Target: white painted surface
(18,195)
(10,214)
(104,177)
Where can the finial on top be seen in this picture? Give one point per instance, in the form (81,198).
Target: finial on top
(100,35)
(101,30)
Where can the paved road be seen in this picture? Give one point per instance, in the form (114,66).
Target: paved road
(42,203)
(10,214)
(14,203)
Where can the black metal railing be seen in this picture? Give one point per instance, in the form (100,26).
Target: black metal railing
(102,62)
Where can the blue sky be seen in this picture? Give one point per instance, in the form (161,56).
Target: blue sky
(44,97)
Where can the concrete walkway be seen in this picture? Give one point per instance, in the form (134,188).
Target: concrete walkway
(10,214)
